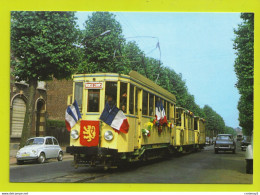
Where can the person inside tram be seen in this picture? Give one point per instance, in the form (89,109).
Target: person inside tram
(123,100)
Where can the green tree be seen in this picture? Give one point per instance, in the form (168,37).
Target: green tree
(99,50)
(244,68)
(42,44)
(214,122)
(230,130)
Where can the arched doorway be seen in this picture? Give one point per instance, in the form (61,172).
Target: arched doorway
(40,118)
(17,118)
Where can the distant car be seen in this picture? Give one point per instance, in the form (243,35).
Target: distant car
(225,142)
(249,157)
(40,149)
(245,142)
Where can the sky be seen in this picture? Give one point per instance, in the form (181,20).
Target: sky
(199,46)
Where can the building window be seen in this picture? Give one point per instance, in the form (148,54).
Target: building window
(78,93)
(151,105)
(131,99)
(145,103)
(123,97)
(93,100)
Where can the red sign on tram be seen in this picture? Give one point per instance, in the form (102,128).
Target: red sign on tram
(93,85)
(89,133)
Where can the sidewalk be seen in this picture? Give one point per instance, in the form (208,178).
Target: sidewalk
(12,161)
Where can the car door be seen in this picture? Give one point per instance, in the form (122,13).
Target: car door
(49,148)
(56,147)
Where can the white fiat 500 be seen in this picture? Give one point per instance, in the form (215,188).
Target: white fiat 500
(40,149)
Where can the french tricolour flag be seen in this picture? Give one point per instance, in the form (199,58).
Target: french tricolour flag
(72,115)
(115,118)
(160,112)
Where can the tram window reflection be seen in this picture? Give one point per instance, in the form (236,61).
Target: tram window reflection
(111,93)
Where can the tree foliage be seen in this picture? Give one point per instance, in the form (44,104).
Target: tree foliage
(99,50)
(214,122)
(43,46)
(244,68)
(42,43)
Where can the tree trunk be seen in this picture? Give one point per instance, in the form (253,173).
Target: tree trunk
(27,126)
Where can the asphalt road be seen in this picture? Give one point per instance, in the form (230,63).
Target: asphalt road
(200,167)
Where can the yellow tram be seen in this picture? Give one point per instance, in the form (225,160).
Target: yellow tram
(152,125)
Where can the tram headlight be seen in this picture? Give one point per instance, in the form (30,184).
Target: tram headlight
(74,134)
(108,135)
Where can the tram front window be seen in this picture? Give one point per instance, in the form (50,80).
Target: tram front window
(111,93)
(93,100)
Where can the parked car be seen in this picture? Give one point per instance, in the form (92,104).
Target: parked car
(245,142)
(40,149)
(225,142)
(249,157)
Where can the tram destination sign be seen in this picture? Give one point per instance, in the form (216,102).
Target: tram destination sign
(93,85)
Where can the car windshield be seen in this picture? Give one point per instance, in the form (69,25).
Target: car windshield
(224,137)
(35,141)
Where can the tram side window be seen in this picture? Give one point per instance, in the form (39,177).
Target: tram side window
(145,103)
(131,99)
(78,93)
(178,118)
(195,124)
(168,111)
(111,93)
(165,106)
(184,120)
(136,101)
(93,100)
(151,103)
(123,97)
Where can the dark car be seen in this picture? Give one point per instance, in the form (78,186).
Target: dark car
(245,142)
(225,142)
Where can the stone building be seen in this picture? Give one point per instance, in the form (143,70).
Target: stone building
(18,99)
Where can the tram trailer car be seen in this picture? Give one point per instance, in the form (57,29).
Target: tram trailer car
(151,126)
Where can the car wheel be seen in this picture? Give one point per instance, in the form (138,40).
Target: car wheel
(216,151)
(41,158)
(249,166)
(60,156)
(19,162)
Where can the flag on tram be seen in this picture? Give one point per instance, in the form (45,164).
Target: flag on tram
(72,115)
(115,118)
(160,112)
